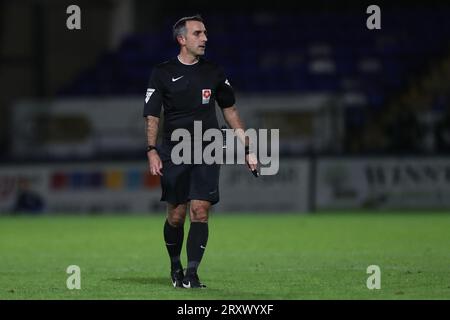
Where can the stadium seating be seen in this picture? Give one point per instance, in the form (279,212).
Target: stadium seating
(288,53)
(285,53)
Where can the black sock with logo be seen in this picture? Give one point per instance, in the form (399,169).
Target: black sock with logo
(196,244)
(173,237)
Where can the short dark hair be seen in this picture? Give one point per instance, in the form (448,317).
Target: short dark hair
(179,28)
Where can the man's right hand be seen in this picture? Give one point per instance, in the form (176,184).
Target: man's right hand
(154,162)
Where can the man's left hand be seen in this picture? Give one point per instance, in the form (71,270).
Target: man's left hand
(252,161)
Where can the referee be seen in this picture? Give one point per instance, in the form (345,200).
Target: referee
(187,88)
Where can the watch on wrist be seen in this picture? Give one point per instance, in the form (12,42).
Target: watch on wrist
(150,148)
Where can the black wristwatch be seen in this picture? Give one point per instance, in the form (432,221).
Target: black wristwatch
(150,148)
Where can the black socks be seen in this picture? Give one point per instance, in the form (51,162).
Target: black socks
(196,244)
(174,242)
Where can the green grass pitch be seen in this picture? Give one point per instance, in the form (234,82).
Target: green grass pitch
(270,256)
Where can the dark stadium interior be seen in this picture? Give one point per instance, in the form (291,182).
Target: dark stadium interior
(402,72)
(332,86)
(356,120)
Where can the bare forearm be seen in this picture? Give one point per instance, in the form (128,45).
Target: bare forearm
(232,118)
(234,121)
(152,129)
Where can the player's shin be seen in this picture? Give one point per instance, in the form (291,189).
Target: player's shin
(173,237)
(196,245)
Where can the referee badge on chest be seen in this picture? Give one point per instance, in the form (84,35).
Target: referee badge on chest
(206,94)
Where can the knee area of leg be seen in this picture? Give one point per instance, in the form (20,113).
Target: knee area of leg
(200,214)
(176,221)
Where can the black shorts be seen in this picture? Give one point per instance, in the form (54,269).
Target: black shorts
(181,183)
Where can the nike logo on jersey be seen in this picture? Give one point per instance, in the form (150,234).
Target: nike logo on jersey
(175,79)
(203,247)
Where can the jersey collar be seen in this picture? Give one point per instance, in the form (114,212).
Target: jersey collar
(188,64)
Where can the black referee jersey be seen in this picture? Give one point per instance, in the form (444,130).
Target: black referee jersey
(187,93)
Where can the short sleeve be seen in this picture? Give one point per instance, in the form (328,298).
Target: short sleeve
(153,96)
(225,93)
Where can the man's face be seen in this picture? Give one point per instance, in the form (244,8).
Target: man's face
(195,39)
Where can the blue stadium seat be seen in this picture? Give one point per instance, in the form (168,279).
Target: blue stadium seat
(270,53)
